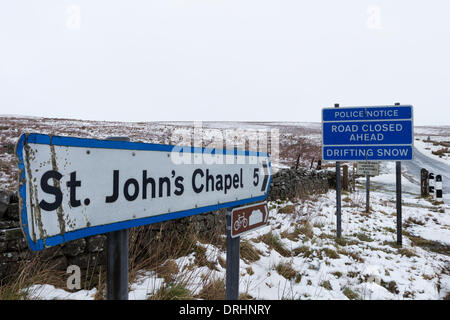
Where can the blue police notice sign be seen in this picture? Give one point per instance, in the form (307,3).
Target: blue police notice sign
(367,133)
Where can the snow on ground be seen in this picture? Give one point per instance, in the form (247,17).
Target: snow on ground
(311,264)
(297,255)
(387,178)
(49,292)
(436,131)
(427,148)
(432,139)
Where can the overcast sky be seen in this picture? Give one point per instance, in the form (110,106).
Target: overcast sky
(252,60)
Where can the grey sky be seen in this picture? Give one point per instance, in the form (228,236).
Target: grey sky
(252,60)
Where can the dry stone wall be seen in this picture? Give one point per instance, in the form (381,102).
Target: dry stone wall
(89,253)
(297,183)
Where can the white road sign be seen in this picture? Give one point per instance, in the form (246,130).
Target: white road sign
(71,188)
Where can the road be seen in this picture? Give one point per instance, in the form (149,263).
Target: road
(411,175)
(437,167)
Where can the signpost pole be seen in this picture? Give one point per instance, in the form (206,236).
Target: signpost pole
(117,265)
(338,195)
(398,182)
(338,199)
(232,267)
(367,193)
(117,258)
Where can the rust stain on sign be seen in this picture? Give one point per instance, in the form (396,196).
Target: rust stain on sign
(56,183)
(31,194)
(35,210)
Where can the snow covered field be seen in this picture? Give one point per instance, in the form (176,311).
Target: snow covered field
(308,263)
(295,138)
(431,140)
(297,255)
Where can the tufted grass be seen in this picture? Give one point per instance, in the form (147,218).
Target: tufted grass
(274,242)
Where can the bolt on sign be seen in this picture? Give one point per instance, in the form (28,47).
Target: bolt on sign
(371,168)
(248,218)
(71,188)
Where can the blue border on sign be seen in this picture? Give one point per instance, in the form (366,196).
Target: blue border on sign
(38,138)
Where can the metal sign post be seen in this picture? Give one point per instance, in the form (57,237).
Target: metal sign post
(117,258)
(398,182)
(240,220)
(233,257)
(117,265)
(368,168)
(338,194)
(338,200)
(367,193)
